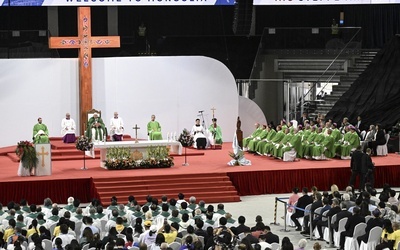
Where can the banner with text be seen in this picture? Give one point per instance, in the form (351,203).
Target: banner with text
(183,2)
(115,2)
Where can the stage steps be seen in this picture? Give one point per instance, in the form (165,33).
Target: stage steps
(212,188)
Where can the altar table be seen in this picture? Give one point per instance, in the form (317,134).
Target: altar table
(141,146)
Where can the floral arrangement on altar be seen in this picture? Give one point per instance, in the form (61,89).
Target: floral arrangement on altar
(185,138)
(119,158)
(83,143)
(27,154)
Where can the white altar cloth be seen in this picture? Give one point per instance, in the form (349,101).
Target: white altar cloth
(141,146)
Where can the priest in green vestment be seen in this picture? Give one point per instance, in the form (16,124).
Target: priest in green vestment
(40,133)
(253,143)
(311,140)
(96,129)
(269,147)
(261,145)
(216,133)
(277,150)
(252,136)
(154,129)
(307,140)
(351,142)
(325,149)
(290,151)
(294,142)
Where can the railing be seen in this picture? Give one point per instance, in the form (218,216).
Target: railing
(334,60)
(291,44)
(310,214)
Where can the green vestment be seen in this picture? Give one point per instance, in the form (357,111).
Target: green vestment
(40,138)
(353,140)
(217,133)
(253,135)
(253,143)
(269,147)
(261,145)
(278,149)
(96,129)
(154,130)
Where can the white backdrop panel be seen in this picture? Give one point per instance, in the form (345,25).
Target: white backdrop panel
(36,87)
(172,88)
(250,113)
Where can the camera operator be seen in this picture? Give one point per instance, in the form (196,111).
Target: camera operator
(224,238)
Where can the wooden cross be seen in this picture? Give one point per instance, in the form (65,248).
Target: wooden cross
(42,154)
(84,42)
(136,129)
(213,110)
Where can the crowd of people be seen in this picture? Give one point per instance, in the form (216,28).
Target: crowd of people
(165,224)
(365,207)
(177,223)
(313,139)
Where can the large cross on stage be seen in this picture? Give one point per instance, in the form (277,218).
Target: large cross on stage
(84,42)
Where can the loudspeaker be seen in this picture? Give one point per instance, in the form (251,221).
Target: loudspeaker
(243,17)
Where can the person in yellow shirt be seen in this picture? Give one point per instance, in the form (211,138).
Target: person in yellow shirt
(10,230)
(33,228)
(169,232)
(396,234)
(390,235)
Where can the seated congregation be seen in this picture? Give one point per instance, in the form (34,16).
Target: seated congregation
(171,224)
(317,140)
(348,220)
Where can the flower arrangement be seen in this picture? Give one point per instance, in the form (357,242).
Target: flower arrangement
(83,143)
(27,153)
(185,138)
(119,158)
(236,157)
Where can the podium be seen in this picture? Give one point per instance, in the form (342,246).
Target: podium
(43,152)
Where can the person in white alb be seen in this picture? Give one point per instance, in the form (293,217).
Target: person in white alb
(116,128)
(198,133)
(68,128)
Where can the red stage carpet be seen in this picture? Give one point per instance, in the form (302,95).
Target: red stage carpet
(207,177)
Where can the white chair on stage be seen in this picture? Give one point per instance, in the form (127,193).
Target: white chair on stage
(382,150)
(336,235)
(327,232)
(351,242)
(373,239)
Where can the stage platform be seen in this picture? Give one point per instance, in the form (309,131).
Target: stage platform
(207,177)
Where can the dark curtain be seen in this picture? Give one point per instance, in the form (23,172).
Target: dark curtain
(58,190)
(379,22)
(375,94)
(283,181)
